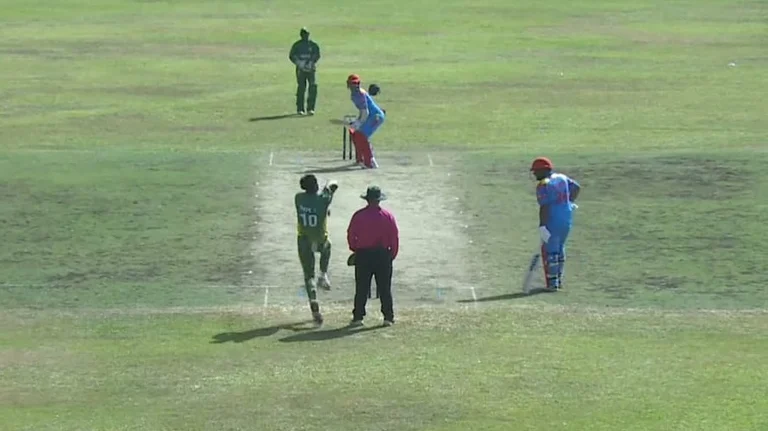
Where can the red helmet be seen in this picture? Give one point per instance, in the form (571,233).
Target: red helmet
(541,163)
(353,79)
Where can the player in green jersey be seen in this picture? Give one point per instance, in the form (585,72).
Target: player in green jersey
(305,53)
(312,211)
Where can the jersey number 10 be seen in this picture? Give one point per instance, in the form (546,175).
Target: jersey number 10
(308,220)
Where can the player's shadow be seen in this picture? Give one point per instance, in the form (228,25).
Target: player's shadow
(328,334)
(240,337)
(506,296)
(274,117)
(343,168)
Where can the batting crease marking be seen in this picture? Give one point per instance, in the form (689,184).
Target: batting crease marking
(271,157)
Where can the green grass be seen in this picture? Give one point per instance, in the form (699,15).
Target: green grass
(660,230)
(532,369)
(122,228)
(131,209)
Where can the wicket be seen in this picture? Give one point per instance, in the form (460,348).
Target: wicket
(346,135)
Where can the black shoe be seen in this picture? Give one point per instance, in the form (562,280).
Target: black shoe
(318,318)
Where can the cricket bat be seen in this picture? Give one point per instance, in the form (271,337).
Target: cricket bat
(532,267)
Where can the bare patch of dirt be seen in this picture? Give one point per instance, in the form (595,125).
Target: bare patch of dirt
(430,268)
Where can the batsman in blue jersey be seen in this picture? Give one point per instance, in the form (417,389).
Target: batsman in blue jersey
(369,120)
(556,194)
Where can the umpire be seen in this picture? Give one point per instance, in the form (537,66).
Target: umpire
(374,240)
(305,54)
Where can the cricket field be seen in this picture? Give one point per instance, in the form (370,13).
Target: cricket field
(149,278)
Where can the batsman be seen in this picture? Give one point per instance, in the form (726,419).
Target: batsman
(370,118)
(305,54)
(312,211)
(556,194)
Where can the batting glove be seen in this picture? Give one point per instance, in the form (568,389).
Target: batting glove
(544,234)
(333,185)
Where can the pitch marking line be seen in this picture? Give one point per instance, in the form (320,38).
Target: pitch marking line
(429,157)
(271,157)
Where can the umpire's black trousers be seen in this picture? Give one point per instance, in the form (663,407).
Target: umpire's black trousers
(373,263)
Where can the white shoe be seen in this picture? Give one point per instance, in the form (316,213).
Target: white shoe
(356,323)
(323,282)
(311,112)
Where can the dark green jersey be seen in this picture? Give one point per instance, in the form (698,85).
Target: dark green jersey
(312,214)
(305,51)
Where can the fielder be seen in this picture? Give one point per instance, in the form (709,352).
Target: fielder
(312,211)
(305,53)
(556,194)
(370,118)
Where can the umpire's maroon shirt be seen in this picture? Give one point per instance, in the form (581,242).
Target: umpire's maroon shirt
(373,227)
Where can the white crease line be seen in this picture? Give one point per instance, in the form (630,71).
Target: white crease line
(271,158)
(266,297)
(474,295)
(430,160)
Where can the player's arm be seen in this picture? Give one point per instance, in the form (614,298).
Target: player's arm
(362,115)
(316,56)
(352,233)
(329,190)
(299,227)
(293,53)
(574,188)
(544,200)
(362,107)
(543,215)
(394,237)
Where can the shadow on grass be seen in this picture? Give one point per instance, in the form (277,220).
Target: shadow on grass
(275,117)
(328,334)
(506,296)
(240,337)
(344,168)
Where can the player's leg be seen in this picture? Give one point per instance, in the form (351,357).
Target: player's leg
(563,236)
(383,276)
(545,265)
(312,96)
(325,259)
(363,276)
(301,87)
(554,260)
(368,129)
(307,259)
(358,141)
